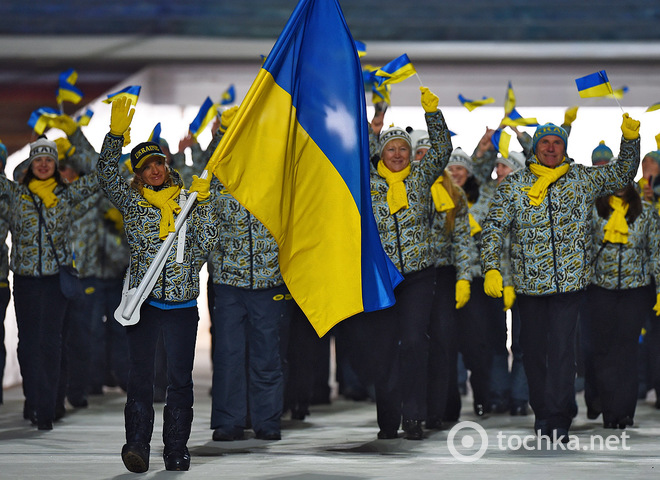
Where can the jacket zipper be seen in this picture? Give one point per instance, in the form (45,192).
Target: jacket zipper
(552,238)
(398,243)
(618,282)
(249,227)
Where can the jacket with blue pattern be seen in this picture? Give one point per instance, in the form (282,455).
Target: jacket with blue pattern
(31,251)
(406,235)
(247,253)
(551,243)
(452,248)
(177,282)
(620,266)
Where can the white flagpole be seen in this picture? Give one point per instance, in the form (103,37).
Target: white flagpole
(160,258)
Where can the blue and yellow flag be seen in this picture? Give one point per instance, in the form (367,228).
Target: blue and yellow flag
(509,101)
(132,92)
(155,134)
(38,120)
(228,96)
(654,107)
(618,93)
(207,112)
(84,118)
(395,71)
(501,141)
(472,104)
(514,119)
(67,90)
(594,85)
(303,168)
(361,48)
(381,93)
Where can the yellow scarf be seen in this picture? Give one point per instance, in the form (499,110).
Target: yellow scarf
(164,199)
(397,197)
(44,190)
(474,225)
(546,177)
(616,228)
(441,197)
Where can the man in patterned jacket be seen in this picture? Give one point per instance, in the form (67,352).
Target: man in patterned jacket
(546,208)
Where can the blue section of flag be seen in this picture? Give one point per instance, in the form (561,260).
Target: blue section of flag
(316,62)
(199,122)
(228,96)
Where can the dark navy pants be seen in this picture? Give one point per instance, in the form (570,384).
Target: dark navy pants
(40,309)
(547,336)
(391,350)
(179,328)
(247,367)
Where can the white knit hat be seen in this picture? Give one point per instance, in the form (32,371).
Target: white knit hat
(515,161)
(391,134)
(43,147)
(462,159)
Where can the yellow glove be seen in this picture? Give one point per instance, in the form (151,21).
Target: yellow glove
(115,217)
(429,100)
(121,116)
(656,307)
(462,293)
(570,115)
(127,136)
(227,117)
(201,186)
(65,123)
(64,148)
(509,297)
(493,283)
(629,128)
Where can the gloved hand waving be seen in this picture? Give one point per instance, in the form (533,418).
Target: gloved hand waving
(121,116)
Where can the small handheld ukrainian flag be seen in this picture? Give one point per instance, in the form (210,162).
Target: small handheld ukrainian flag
(84,118)
(514,119)
(67,91)
(132,92)
(654,107)
(228,96)
(509,101)
(206,113)
(38,120)
(361,48)
(155,134)
(472,104)
(501,141)
(594,85)
(618,93)
(395,71)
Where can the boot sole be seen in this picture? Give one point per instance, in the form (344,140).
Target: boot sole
(134,462)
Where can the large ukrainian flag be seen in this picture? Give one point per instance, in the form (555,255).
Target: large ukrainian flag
(296,156)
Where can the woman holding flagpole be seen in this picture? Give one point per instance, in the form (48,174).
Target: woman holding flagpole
(149,206)
(394,341)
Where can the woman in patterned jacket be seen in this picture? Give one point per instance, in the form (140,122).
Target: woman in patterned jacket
(394,340)
(149,206)
(626,261)
(451,230)
(39,210)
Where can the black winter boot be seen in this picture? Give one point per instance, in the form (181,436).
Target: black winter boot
(139,418)
(176,431)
